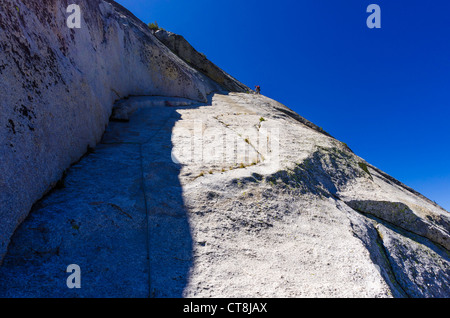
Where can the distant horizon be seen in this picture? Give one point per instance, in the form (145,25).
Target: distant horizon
(384,92)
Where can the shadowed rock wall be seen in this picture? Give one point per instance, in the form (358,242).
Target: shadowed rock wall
(58,85)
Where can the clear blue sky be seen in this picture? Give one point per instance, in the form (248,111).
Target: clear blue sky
(385,92)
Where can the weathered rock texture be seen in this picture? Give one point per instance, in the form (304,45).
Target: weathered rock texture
(58,86)
(233,196)
(178,44)
(182,199)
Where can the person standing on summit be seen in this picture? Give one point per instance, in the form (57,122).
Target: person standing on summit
(258,89)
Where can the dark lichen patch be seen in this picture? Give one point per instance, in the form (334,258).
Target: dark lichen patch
(364,167)
(212,195)
(25,112)
(11,126)
(2,68)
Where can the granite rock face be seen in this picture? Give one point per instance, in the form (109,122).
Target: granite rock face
(229,198)
(58,86)
(178,44)
(191,193)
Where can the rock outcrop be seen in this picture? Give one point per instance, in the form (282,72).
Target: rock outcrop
(193,194)
(178,44)
(58,86)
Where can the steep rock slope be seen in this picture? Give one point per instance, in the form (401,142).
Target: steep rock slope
(231,198)
(196,194)
(302,213)
(58,86)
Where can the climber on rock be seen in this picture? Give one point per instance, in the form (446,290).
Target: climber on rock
(258,89)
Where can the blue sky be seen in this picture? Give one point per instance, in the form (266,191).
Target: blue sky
(385,92)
